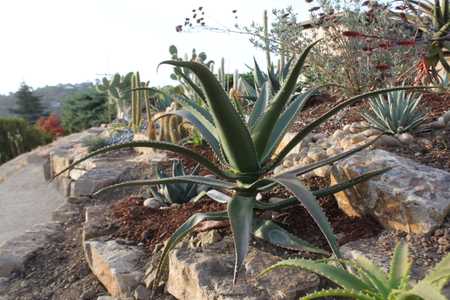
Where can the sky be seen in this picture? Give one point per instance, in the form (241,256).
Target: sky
(47,42)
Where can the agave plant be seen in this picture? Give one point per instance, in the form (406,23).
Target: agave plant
(363,280)
(180,192)
(245,150)
(274,78)
(397,114)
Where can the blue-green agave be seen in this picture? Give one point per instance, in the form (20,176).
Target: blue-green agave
(180,192)
(246,151)
(397,114)
(363,280)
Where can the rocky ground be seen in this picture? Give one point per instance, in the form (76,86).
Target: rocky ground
(58,271)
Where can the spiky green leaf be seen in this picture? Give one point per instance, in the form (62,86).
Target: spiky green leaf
(240,214)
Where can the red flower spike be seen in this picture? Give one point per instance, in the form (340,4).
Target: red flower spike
(352,34)
(385,45)
(382,67)
(406,43)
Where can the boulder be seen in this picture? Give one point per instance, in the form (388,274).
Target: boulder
(118,267)
(410,197)
(208,275)
(98,178)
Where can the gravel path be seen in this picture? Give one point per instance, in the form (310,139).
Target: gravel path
(26,198)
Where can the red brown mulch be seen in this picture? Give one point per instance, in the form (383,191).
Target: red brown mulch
(298,221)
(435,105)
(153,226)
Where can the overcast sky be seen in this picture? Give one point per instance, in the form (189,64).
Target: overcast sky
(47,42)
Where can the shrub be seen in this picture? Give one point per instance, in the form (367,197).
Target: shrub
(359,51)
(50,125)
(82,111)
(18,137)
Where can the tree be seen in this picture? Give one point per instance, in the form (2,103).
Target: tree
(28,105)
(85,110)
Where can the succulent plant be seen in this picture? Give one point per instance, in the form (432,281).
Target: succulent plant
(397,114)
(139,95)
(363,280)
(245,150)
(118,91)
(178,192)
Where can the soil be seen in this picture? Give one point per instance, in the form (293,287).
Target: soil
(150,226)
(153,226)
(59,271)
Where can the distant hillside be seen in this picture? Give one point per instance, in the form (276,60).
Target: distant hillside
(52,96)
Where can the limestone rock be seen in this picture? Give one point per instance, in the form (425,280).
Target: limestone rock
(406,138)
(446,117)
(411,197)
(208,275)
(75,174)
(387,140)
(59,160)
(284,141)
(116,266)
(152,203)
(98,178)
(96,224)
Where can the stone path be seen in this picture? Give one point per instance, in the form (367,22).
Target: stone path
(26,199)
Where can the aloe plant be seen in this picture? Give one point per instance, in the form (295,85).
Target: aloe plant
(245,150)
(180,192)
(363,280)
(397,114)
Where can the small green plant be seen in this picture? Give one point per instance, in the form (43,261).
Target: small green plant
(245,148)
(95,143)
(178,192)
(397,114)
(363,280)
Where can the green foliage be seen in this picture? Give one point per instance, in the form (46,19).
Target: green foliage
(177,192)
(18,137)
(84,110)
(245,150)
(362,279)
(118,92)
(28,105)
(358,64)
(95,143)
(397,114)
